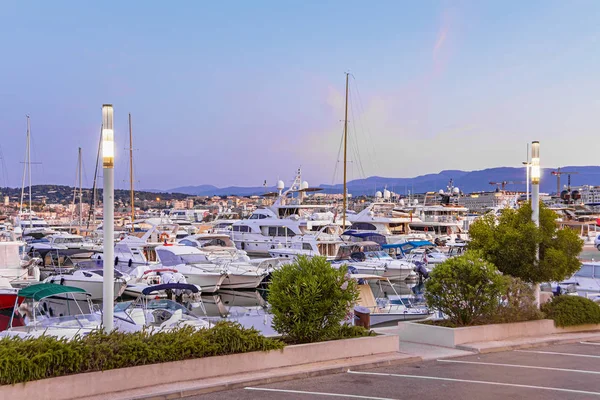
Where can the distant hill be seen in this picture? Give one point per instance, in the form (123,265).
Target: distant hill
(467,181)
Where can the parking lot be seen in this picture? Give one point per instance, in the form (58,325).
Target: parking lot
(567,371)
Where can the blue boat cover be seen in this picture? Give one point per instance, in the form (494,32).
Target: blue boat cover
(174,286)
(367,236)
(407,245)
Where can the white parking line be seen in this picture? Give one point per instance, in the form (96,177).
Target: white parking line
(437,378)
(592,343)
(557,353)
(352,396)
(521,366)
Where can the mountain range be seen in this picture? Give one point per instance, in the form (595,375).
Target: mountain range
(467,181)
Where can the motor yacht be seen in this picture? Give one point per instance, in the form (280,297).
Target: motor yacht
(17,269)
(90,280)
(381,218)
(158,314)
(194,265)
(386,309)
(278,224)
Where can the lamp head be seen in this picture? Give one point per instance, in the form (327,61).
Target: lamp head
(108,137)
(535,163)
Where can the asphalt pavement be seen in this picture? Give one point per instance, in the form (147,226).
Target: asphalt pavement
(566,371)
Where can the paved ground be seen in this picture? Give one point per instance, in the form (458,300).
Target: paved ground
(567,371)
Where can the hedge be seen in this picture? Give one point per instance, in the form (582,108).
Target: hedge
(572,310)
(23,360)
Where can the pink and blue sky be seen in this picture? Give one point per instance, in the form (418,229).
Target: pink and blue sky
(236,92)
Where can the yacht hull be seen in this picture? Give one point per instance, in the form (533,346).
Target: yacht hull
(94,288)
(248,281)
(208,282)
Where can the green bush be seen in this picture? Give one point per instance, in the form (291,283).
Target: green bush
(23,360)
(518,303)
(345,331)
(309,299)
(568,310)
(466,289)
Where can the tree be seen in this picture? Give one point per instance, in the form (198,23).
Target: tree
(309,299)
(467,289)
(510,243)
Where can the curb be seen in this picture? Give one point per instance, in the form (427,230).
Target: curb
(217,387)
(501,348)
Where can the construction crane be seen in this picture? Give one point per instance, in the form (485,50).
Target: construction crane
(504,183)
(558,173)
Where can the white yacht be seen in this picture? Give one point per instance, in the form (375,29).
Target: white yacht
(440,216)
(90,280)
(220,248)
(276,225)
(16,269)
(194,265)
(383,219)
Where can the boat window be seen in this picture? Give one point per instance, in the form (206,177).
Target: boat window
(597,271)
(586,271)
(193,258)
(306,246)
(187,243)
(168,259)
(241,228)
(363,226)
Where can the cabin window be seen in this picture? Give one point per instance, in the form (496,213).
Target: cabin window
(363,226)
(586,271)
(306,246)
(241,228)
(168,259)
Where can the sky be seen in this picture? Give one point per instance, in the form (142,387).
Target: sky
(239,92)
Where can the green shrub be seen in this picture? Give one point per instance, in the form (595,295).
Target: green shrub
(466,289)
(309,299)
(568,310)
(23,360)
(517,305)
(345,331)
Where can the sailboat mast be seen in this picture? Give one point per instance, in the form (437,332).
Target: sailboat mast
(132,201)
(29,169)
(345,154)
(80,189)
(92,213)
(24,169)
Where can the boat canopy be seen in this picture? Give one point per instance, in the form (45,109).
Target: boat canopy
(408,245)
(366,236)
(173,286)
(43,290)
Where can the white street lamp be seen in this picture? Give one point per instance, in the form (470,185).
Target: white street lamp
(108,201)
(535,182)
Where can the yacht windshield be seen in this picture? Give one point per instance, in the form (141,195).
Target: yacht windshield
(378,254)
(193,258)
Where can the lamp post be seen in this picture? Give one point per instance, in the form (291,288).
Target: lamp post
(535,203)
(535,182)
(108,201)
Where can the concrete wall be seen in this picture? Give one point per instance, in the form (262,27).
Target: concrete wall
(451,337)
(98,383)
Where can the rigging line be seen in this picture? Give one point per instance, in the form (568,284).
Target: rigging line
(337,160)
(362,110)
(4,171)
(357,115)
(357,144)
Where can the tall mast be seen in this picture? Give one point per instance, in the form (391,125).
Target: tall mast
(132,201)
(345,153)
(24,168)
(29,168)
(80,190)
(92,213)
